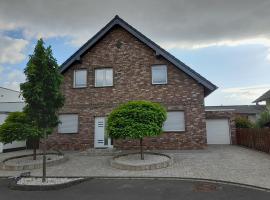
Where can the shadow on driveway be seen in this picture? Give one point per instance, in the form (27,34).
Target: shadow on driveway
(138,189)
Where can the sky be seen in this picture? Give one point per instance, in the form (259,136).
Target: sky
(226,41)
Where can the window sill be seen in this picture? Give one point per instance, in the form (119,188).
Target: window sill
(175,131)
(110,86)
(159,83)
(68,133)
(81,87)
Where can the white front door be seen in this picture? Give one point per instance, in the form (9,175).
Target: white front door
(101,139)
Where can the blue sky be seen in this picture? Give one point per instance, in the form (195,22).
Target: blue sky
(232,54)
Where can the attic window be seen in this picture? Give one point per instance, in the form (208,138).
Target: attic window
(159,74)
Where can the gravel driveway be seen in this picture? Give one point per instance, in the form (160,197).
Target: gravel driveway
(221,162)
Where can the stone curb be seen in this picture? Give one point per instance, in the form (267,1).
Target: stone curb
(153,166)
(87,178)
(14,186)
(4,166)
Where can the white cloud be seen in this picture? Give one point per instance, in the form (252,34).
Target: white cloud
(11,77)
(188,23)
(12,50)
(268,55)
(7,26)
(1,70)
(249,93)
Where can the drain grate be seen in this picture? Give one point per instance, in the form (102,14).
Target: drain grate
(206,187)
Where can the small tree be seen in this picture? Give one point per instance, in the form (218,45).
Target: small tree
(41,92)
(18,127)
(136,120)
(242,122)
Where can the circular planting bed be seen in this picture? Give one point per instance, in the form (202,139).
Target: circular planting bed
(26,162)
(133,161)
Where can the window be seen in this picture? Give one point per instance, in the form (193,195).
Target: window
(175,121)
(103,77)
(159,74)
(80,78)
(68,123)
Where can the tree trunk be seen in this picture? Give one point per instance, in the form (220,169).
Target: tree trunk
(141,144)
(34,149)
(44,157)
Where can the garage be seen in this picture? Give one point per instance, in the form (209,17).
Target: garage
(218,131)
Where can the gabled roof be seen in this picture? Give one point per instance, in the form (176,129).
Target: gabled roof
(264,97)
(117,21)
(241,109)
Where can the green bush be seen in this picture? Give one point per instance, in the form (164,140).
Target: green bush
(264,118)
(242,122)
(136,120)
(18,127)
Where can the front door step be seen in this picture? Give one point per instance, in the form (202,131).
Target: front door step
(101,152)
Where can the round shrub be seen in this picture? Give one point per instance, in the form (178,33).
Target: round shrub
(136,119)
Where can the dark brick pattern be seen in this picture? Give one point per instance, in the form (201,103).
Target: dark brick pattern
(131,61)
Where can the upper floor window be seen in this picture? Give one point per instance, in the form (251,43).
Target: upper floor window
(80,78)
(103,77)
(159,74)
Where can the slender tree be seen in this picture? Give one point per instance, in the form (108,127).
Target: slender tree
(136,120)
(41,92)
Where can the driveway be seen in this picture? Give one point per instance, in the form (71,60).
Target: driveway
(223,162)
(139,189)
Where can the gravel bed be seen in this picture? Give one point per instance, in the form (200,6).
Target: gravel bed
(29,160)
(49,181)
(135,159)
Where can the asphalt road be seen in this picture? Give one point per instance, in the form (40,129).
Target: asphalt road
(116,189)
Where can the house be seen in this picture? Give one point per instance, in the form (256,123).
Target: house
(264,98)
(251,112)
(10,101)
(120,64)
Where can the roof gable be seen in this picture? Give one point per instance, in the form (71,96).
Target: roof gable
(209,87)
(264,97)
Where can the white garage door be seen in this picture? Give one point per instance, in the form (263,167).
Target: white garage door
(218,131)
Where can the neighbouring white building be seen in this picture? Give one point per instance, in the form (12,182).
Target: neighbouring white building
(10,101)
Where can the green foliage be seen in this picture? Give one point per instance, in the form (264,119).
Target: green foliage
(136,119)
(16,127)
(242,122)
(264,118)
(41,90)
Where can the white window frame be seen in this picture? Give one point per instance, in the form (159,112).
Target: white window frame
(173,129)
(74,78)
(166,70)
(104,77)
(76,128)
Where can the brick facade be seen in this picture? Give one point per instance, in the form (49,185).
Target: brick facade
(131,61)
(230,115)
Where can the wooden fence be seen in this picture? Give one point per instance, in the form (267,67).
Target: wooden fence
(254,138)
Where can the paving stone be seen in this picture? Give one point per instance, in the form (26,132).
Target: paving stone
(222,162)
